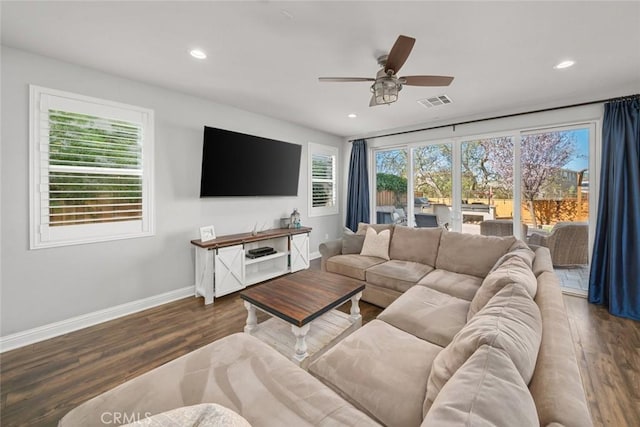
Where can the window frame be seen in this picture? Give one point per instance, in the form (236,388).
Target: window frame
(516,132)
(327,150)
(43,236)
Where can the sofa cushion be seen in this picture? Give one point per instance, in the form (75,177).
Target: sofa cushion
(513,270)
(363,226)
(486,391)
(471,253)
(427,314)
(455,284)
(518,250)
(397,275)
(239,372)
(415,244)
(352,244)
(510,321)
(381,370)
(352,265)
(376,244)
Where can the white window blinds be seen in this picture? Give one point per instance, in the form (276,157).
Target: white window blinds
(94,170)
(92,176)
(323,197)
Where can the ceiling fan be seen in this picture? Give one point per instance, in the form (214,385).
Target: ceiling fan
(387,84)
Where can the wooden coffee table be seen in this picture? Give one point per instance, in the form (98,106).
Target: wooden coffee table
(305,301)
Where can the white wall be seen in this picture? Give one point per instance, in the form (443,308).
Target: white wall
(39,287)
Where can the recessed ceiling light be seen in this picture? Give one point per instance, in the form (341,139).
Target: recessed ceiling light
(352,115)
(564,64)
(198,54)
(286,13)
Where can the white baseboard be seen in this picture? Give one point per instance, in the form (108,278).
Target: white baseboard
(41,333)
(314,255)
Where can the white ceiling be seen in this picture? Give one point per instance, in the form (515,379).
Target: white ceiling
(266,56)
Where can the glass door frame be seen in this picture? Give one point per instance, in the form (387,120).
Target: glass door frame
(594,126)
(373,179)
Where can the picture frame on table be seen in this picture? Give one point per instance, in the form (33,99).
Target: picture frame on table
(207,233)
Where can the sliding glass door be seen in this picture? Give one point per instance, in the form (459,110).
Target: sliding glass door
(555,193)
(486,178)
(534,185)
(432,185)
(391,187)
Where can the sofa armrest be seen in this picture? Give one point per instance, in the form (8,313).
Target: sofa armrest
(329,249)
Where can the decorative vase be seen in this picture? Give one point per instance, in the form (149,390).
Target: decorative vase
(295,219)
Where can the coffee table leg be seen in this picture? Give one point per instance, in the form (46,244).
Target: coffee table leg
(355,309)
(301,342)
(252,320)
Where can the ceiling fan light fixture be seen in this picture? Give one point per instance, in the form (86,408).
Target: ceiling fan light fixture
(385,90)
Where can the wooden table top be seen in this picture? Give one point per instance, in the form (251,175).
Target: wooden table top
(301,297)
(236,239)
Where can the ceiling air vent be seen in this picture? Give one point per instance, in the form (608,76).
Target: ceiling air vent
(435,101)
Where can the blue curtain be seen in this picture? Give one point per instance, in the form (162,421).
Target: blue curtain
(615,266)
(358,190)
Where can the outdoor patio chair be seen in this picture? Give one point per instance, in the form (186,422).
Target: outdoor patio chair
(500,227)
(400,216)
(568,243)
(426,220)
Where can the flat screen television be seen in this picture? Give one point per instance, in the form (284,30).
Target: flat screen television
(236,164)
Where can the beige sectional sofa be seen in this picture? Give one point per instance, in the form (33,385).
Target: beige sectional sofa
(474,333)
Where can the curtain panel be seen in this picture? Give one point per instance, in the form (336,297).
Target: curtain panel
(358,187)
(615,265)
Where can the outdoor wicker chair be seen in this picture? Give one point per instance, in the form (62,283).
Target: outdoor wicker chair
(568,243)
(500,227)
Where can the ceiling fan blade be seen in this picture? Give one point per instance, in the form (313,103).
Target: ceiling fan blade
(399,53)
(426,80)
(346,79)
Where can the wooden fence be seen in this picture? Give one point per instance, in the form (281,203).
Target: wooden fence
(547,211)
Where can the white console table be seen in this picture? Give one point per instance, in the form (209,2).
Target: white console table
(222,266)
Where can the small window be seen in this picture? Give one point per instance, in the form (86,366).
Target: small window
(323,199)
(91,169)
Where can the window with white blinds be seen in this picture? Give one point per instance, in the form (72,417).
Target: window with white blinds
(91,169)
(323,199)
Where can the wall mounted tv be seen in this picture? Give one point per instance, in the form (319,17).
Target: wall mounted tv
(236,164)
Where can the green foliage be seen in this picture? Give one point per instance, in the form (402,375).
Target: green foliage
(392,162)
(80,146)
(432,170)
(388,182)
(83,140)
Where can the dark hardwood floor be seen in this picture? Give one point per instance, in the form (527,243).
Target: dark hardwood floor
(41,382)
(608,352)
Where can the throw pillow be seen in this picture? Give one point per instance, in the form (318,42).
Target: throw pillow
(518,250)
(477,392)
(352,243)
(362,227)
(513,270)
(376,244)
